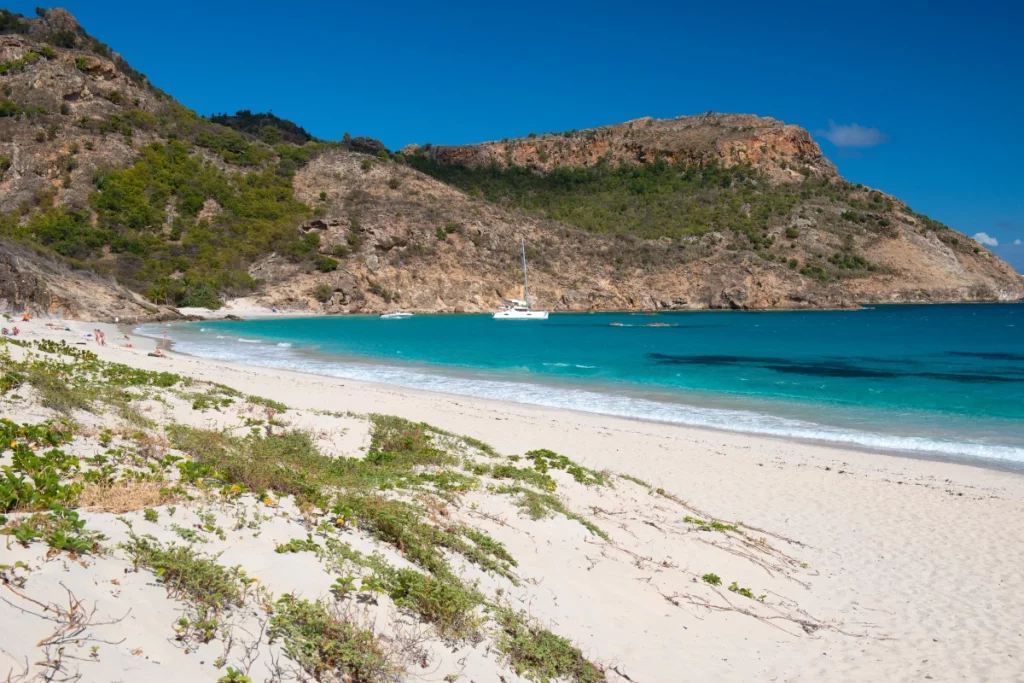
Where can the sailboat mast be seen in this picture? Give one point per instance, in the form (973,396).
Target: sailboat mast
(526,280)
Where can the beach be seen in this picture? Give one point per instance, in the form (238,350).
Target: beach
(909,569)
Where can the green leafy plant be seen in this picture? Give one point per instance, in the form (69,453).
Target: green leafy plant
(24,532)
(538,654)
(35,481)
(326,264)
(189,575)
(712,525)
(61,529)
(745,592)
(267,403)
(538,505)
(234,676)
(442,601)
(372,585)
(342,586)
(298,545)
(544,459)
(327,644)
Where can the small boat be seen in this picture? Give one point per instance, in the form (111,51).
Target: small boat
(516,309)
(519,309)
(396,315)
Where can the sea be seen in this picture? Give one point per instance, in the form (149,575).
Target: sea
(939,381)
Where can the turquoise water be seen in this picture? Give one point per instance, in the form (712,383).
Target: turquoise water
(946,381)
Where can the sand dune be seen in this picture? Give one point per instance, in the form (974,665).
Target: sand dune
(872,566)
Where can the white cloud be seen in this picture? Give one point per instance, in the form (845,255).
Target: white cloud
(983,238)
(852,135)
(1018,242)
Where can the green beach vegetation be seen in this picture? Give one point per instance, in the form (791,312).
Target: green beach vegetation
(424,466)
(408,493)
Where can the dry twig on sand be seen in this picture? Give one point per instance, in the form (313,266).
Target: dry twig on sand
(74,624)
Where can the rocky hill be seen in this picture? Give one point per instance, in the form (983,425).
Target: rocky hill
(137,196)
(781,151)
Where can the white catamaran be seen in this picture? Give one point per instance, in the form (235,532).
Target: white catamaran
(516,309)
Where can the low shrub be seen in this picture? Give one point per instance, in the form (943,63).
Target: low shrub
(538,654)
(328,644)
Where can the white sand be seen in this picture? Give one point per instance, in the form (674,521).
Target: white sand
(914,565)
(244,307)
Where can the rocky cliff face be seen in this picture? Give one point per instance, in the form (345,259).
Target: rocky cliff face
(779,150)
(43,285)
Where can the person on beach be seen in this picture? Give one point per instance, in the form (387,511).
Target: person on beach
(4,332)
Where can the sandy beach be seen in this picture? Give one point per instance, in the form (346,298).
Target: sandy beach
(896,569)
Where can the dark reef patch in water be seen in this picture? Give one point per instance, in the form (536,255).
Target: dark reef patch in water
(668,359)
(988,356)
(831,368)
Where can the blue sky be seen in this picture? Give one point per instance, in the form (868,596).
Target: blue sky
(933,88)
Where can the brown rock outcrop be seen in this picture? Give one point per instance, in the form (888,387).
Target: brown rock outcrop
(779,150)
(42,285)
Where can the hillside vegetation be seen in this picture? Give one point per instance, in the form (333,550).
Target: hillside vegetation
(197,203)
(145,225)
(269,128)
(656,200)
(106,172)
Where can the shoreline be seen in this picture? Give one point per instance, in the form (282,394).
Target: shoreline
(1003,464)
(870,528)
(250,311)
(532,411)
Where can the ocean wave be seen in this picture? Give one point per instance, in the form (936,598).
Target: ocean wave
(569,365)
(285,345)
(591,401)
(248,341)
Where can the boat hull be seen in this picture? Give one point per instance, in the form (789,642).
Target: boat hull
(521,315)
